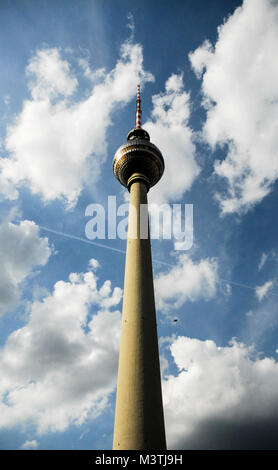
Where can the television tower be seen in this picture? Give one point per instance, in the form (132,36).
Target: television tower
(139,422)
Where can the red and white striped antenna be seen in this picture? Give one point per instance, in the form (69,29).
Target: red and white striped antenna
(138,109)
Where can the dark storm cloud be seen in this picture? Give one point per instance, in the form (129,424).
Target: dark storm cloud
(222,434)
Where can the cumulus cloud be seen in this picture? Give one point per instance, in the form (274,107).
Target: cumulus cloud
(186,281)
(240,89)
(170,131)
(55,143)
(21,251)
(31,445)
(60,368)
(50,75)
(261,291)
(221,398)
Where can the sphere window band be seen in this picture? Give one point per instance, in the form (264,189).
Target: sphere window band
(138,156)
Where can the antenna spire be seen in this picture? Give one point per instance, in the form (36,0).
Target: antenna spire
(138,109)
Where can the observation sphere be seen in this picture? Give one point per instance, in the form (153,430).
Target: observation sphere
(138,155)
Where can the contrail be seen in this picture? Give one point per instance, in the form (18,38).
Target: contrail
(244,285)
(73,237)
(100,245)
(85,240)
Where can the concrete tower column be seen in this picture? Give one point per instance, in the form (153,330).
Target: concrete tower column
(139,421)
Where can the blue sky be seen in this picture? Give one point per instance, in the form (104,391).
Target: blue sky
(208,74)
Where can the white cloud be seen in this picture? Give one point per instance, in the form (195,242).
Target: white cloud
(260,323)
(30,445)
(130,24)
(94,264)
(262,261)
(56,142)
(93,76)
(169,130)
(240,88)
(261,291)
(186,281)
(60,368)
(50,75)
(216,389)
(21,250)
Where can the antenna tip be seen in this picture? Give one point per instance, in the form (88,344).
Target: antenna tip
(138,108)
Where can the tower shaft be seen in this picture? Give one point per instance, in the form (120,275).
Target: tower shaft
(139,421)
